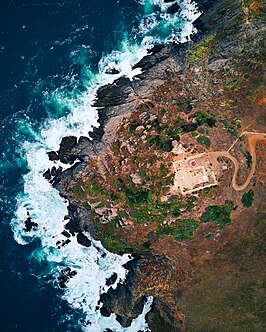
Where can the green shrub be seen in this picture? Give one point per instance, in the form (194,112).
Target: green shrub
(247,199)
(218,213)
(201,51)
(230,128)
(248,158)
(204,141)
(162,111)
(116,146)
(181,230)
(131,128)
(203,118)
(162,143)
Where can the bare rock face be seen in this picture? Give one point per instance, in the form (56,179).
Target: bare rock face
(121,300)
(65,151)
(114,94)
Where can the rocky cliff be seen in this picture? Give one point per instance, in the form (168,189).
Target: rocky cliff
(199,267)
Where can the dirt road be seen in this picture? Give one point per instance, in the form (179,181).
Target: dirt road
(252,138)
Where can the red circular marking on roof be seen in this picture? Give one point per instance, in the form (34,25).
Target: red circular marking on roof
(192,163)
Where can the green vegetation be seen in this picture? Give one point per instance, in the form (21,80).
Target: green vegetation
(162,111)
(232,84)
(229,127)
(204,119)
(116,146)
(247,199)
(114,243)
(202,50)
(160,142)
(131,128)
(203,130)
(181,230)
(204,141)
(248,159)
(187,107)
(218,213)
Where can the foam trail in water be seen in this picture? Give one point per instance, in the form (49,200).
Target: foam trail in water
(92,265)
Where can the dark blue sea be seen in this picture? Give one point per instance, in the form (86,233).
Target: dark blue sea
(53,57)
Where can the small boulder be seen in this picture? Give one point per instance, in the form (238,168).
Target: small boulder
(52,155)
(83,240)
(112,71)
(47,174)
(66,234)
(29,224)
(55,171)
(110,281)
(173,9)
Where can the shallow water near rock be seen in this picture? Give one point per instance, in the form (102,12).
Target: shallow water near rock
(53,57)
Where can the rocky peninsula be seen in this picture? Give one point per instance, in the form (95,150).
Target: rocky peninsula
(198,247)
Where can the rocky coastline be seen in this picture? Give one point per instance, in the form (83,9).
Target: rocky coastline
(116,101)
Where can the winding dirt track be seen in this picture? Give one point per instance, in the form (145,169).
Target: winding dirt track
(252,138)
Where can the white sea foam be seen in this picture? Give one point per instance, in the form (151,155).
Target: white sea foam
(43,203)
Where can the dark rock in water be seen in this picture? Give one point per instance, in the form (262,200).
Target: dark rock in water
(63,243)
(121,300)
(64,276)
(74,224)
(110,281)
(66,234)
(47,175)
(83,140)
(112,71)
(114,94)
(65,151)
(79,220)
(83,240)
(108,330)
(173,9)
(121,320)
(55,171)
(156,54)
(167,1)
(105,312)
(156,48)
(52,155)
(97,133)
(29,224)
